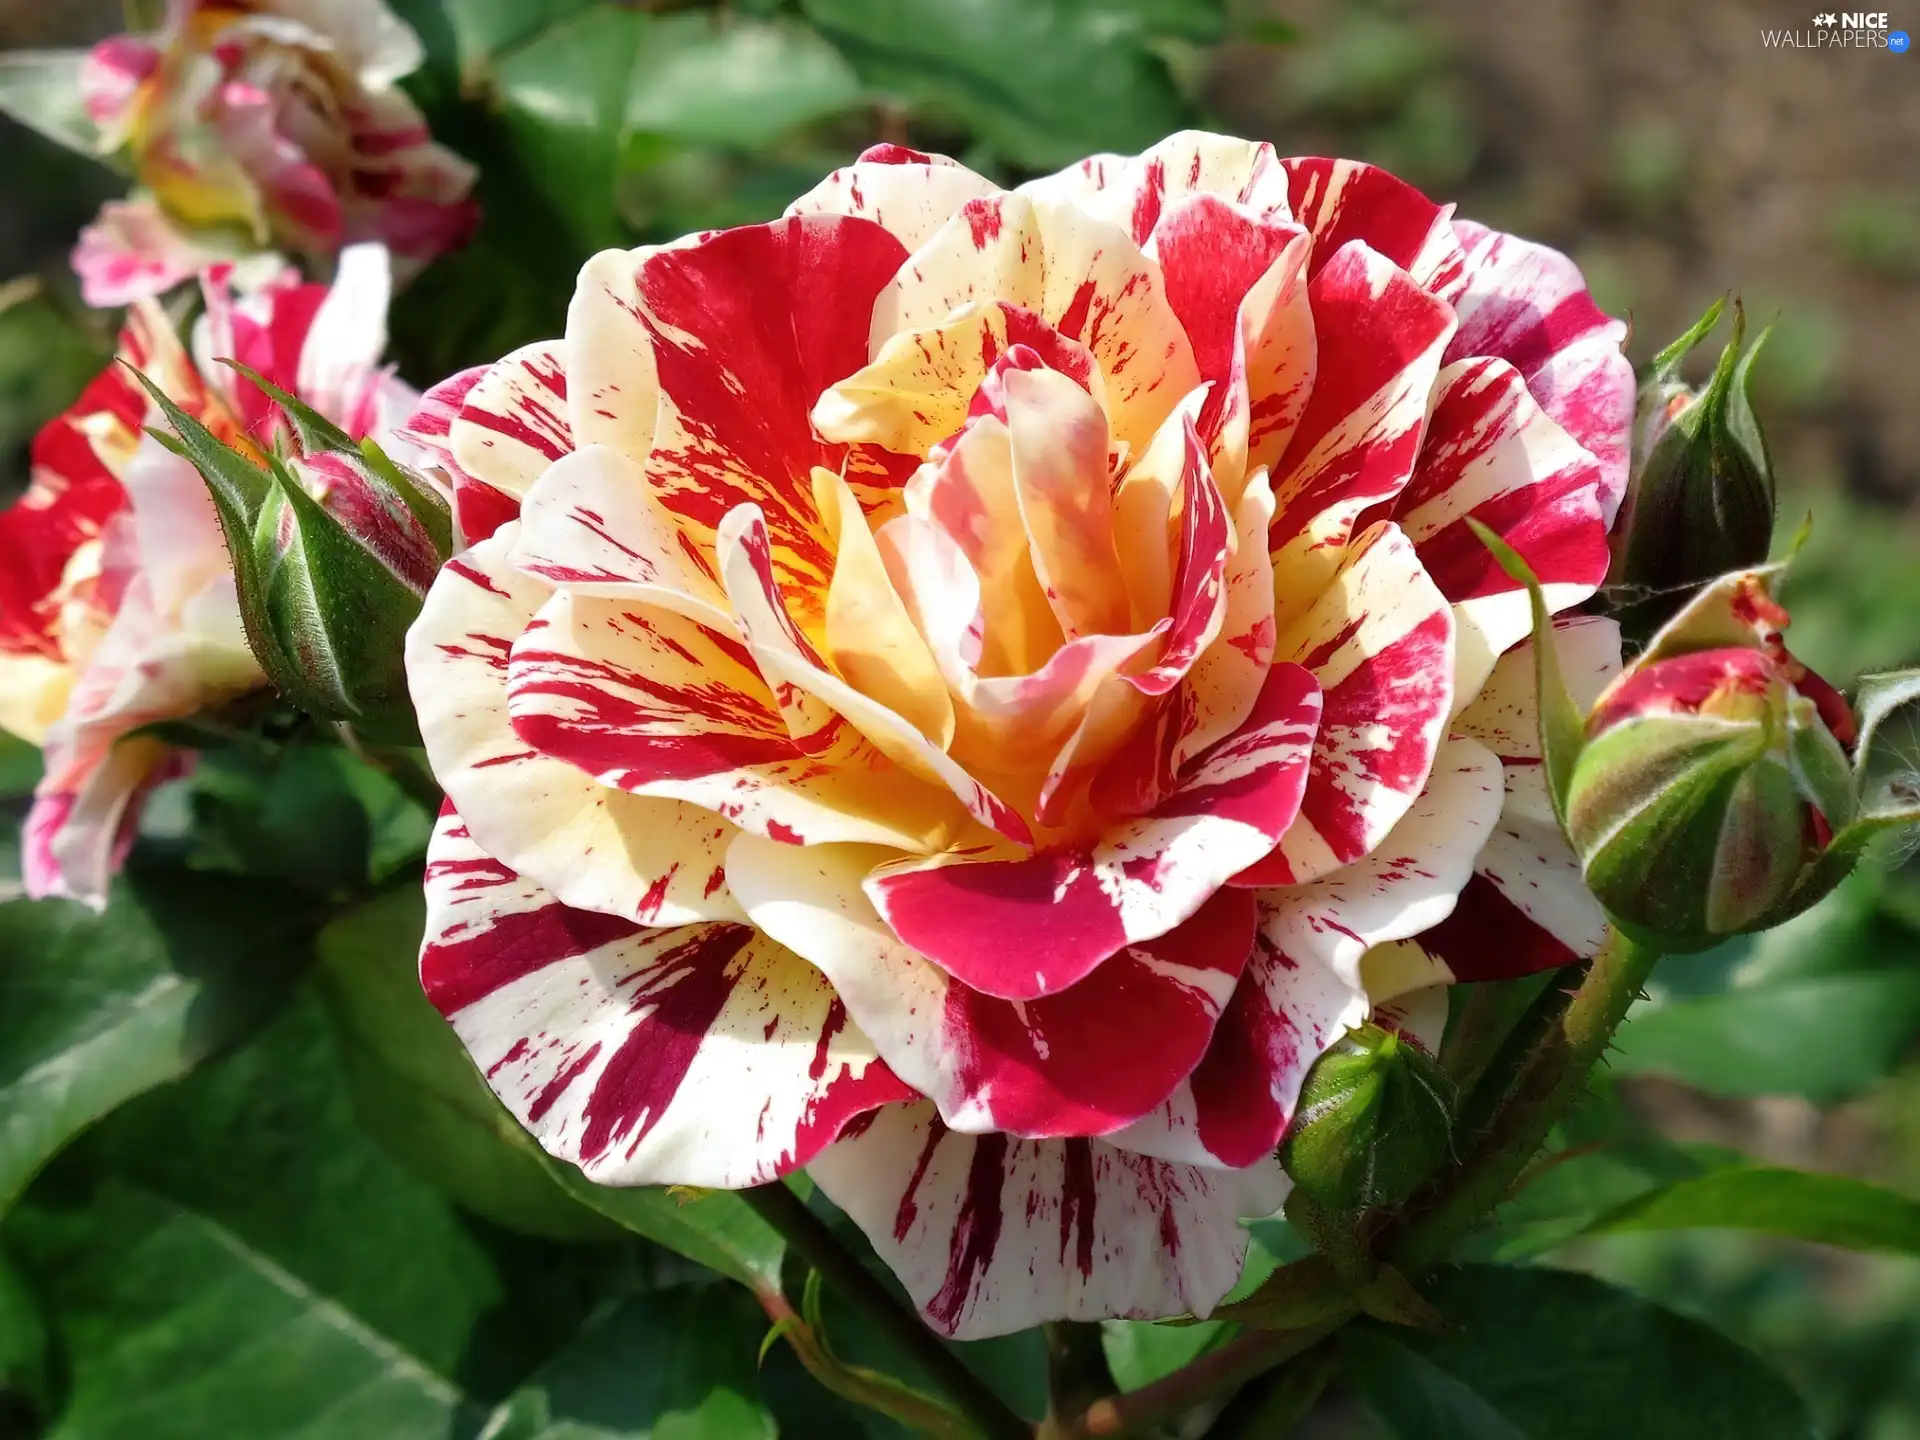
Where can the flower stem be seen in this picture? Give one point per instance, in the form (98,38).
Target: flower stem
(1550,1079)
(814,1243)
(1077,1371)
(1232,1365)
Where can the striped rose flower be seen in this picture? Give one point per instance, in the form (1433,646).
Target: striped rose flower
(264,125)
(117,601)
(971,691)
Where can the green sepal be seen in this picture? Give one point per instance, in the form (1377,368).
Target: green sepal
(1563,730)
(314,431)
(1666,364)
(1886,780)
(343,616)
(424,502)
(1820,763)
(239,489)
(319,435)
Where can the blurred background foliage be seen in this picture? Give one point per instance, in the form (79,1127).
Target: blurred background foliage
(1663,147)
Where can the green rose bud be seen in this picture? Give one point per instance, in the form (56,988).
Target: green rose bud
(1375,1120)
(333,547)
(1714,774)
(1701,500)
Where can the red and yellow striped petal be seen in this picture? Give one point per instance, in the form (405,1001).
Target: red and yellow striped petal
(1380,642)
(1030,926)
(647,859)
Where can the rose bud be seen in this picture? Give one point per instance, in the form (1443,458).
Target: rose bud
(1375,1119)
(334,547)
(1711,777)
(1701,499)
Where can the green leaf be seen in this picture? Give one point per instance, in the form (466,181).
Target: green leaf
(177,1328)
(95,1009)
(1040,84)
(717,80)
(19,766)
(1553,1354)
(26,1379)
(677,1363)
(1140,1352)
(41,89)
(563,96)
(1821,1006)
(1795,1204)
(414,1086)
(483,29)
(715,1228)
(265,1147)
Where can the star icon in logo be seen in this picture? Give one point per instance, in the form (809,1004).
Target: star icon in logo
(1828,18)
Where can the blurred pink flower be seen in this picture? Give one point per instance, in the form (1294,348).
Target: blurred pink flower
(264,125)
(117,602)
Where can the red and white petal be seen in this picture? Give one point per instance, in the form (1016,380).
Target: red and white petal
(1235,1107)
(1380,641)
(1083,276)
(699,1055)
(1026,927)
(1492,455)
(589,525)
(1197,604)
(1505,715)
(992,1235)
(1082,1062)
(513,423)
(1346,200)
(1379,337)
(646,701)
(1136,191)
(748,327)
(652,860)
(1529,305)
(613,388)
(1239,286)
(1527,907)
(910,193)
(1407,884)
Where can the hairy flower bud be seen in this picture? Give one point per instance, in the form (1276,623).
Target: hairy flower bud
(1711,777)
(334,547)
(1701,499)
(1374,1120)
